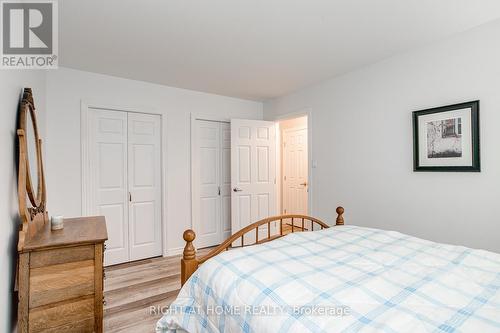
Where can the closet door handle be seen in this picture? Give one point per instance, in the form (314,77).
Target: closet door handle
(236,189)
(219,190)
(129,196)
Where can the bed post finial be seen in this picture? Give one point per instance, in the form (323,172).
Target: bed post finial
(189,263)
(189,251)
(340,218)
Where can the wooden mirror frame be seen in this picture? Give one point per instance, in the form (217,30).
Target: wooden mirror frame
(32,205)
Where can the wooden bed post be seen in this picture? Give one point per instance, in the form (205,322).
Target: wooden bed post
(340,218)
(189,263)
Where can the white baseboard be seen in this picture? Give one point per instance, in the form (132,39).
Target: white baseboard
(173,252)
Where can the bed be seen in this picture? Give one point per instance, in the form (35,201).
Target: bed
(340,279)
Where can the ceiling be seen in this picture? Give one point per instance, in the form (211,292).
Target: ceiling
(252,49)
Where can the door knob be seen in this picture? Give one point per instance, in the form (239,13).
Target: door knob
(236,189)
(304,184)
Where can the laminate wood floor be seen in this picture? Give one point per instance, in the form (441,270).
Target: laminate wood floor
(131,289)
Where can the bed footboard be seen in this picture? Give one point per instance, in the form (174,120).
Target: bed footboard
(299,223)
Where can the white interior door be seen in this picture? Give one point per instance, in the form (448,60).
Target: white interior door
(211,177)
(144,185)
(206,181)
(295,170)
(253,171)
(108,179)
(125,182)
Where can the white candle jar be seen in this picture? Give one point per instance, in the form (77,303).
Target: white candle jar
(57,222)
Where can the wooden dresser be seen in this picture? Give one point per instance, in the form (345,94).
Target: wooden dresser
(60,278)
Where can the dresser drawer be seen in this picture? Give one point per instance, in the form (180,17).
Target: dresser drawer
(56,283)
(72,316)
(61,256)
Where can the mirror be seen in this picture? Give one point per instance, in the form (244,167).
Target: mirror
(31,178)
(33,164)
(31,181)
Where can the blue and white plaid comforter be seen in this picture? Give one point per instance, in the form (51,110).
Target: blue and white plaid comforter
(374,280)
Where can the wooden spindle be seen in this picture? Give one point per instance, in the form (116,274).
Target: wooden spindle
(281,227)
(257,235)
(242,240)
(292,225)
(268,230)
(303,224)
(340,218)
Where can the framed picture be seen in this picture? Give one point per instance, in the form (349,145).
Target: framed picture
(447,138)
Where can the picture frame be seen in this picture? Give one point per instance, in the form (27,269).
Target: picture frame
(446,138)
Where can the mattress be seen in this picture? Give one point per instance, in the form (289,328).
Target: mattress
(341,279)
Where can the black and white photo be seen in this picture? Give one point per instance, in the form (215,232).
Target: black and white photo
(447,138)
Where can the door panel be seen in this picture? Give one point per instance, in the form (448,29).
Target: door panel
(108,179)
(206,179)
(263,164)
(263,206)
(225,130)
(144,168)
(211,178)
(144,179)
(244,167)
(209,211)
(253,171)
(295,171)
(144,231)
(244,204)
(115,224)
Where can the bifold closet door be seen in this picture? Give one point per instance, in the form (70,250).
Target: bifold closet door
(125,182)
(144,184)
(108,179)
(211,178)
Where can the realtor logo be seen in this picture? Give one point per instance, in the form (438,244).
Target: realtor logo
(29,34)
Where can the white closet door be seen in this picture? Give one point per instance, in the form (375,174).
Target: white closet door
(108,179)
(295,171)
(225,179)
(206,179)
(144,179)
(253,171)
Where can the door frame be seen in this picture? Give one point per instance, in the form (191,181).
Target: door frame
(194,117)
(85,106)
(310,169)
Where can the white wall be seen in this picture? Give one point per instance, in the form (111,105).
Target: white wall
(67,87)
(362,141)
(12,83)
